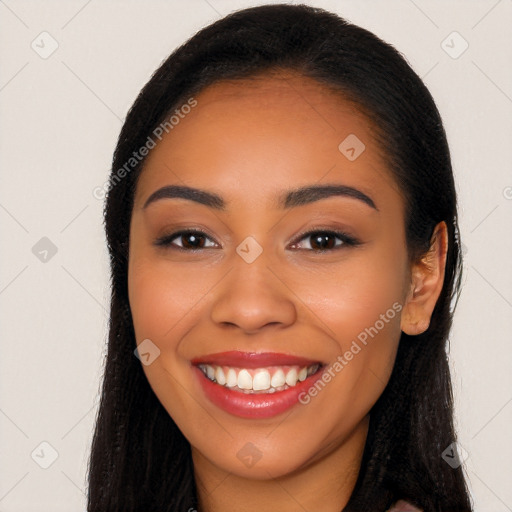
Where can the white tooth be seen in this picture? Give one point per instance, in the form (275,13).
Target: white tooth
(219,376)
(210,372)
(278,379)
(244,380)
(261,380)
(291,377)
(231,378)
(303,374)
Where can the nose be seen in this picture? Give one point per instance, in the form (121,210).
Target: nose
(252,297)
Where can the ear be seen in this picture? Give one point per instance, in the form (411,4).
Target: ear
(427,277)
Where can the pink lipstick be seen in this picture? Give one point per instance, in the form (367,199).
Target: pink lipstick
(255,385)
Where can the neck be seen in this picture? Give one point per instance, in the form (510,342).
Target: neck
(323,484)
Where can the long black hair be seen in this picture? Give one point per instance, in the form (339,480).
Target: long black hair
(140,461)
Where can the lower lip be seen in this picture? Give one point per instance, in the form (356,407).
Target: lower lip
(253,405)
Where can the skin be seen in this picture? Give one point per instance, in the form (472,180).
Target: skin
(250,141)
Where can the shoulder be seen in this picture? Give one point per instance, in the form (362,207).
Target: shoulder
(404,506)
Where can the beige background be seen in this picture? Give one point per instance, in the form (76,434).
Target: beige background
(60,117)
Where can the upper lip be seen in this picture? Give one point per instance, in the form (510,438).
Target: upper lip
(253,360)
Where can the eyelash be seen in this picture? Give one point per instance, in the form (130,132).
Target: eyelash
(348,241)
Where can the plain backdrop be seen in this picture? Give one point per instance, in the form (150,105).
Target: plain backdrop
(69,73)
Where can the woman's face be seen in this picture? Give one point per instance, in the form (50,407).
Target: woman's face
(273,326)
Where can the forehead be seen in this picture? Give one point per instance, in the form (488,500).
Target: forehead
(264,134)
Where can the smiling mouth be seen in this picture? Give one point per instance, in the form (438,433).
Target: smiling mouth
(255,385)
(259,380)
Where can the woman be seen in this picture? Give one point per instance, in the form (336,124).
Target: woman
(282,225)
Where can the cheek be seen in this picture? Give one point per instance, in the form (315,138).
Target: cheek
(362,321)
(354,298)
(161,297)
(163,303)
(360,306)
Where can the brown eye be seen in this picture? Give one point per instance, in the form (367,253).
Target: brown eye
(190,240)
(321,240)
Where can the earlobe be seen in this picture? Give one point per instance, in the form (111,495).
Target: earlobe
(427,278)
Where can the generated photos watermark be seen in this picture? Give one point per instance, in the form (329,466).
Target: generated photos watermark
(355,348)
(137,156)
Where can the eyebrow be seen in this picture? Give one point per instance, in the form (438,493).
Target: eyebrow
(290,199)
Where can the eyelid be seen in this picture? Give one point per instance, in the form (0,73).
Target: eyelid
(165,240)
(348,239)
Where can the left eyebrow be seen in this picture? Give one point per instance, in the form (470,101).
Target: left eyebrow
(304,195)
(289,199)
